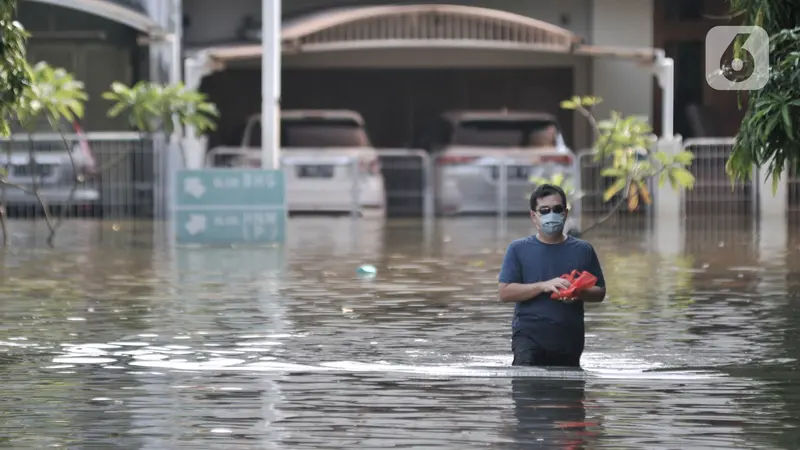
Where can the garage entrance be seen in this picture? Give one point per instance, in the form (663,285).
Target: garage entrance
(397,104)
(401,66)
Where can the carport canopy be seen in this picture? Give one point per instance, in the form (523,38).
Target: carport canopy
(114,12)
(431,26)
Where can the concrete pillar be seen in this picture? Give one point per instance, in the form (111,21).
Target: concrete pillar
(669,234)
(772,205)
(772,217)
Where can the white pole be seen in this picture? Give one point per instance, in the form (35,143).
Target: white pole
(665,73)
(270,83)
(177,42)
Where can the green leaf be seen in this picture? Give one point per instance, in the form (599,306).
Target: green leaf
(612,172)
(787,121)
(776,177)
(569,104)
(685,157)
(614,189)
(591,101)
(681,178)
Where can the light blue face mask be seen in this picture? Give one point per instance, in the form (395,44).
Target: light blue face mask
(552,223)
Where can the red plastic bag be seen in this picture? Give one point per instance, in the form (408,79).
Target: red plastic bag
(578,281)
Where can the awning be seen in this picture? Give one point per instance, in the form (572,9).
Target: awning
(112,11)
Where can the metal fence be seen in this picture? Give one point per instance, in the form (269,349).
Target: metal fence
(793,181)
(406,176)
(793,194)
(93,175)
(498,184)
(714,193)
(122,176)
(615,213)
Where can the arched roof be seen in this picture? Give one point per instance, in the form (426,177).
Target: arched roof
(423,26)
(403,26)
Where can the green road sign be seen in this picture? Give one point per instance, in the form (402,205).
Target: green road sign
(229,206)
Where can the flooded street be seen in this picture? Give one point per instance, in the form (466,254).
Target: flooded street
(116,340)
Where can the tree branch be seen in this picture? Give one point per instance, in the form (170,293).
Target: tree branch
(613,210)
(592,121)
(75,183)
(35,185)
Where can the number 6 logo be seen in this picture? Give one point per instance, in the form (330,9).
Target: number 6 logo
(747,71)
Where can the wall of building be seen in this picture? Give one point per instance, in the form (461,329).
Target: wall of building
(625,86)
(680,27)
(96,50)
(208,23)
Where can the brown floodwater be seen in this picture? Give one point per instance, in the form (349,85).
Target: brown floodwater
(117,339)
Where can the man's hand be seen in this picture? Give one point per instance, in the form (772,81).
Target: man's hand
(554,285)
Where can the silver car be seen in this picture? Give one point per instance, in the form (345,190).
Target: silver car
(52,169)
(469,148)
(329,164)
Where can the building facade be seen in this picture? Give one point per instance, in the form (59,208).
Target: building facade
(102,41)
(128,40)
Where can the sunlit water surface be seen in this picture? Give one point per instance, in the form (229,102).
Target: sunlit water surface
(116,340)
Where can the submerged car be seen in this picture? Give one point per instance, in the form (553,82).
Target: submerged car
(469,148)
(327,158)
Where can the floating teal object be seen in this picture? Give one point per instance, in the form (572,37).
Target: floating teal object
(367,270)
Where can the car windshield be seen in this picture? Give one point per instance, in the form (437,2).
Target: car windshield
(505,133)
(316,133)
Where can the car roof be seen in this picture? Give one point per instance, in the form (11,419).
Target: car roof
(298,114)
(455,116)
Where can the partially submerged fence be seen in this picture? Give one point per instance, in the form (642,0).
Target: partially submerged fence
(115,175)
(123,176)
(614,211)
(714,193)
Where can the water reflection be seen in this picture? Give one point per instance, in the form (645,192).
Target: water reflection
(116,340)
(551,414)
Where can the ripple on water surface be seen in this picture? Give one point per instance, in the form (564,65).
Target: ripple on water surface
(259,348)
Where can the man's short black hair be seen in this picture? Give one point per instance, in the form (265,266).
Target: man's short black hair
(546,190)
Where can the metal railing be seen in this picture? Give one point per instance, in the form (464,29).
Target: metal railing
(407,178)
(793,185)
(733,204)
(595,208)
(793,197)
(114,175)
(496,183)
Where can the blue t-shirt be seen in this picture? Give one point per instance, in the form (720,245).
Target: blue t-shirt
(555,325)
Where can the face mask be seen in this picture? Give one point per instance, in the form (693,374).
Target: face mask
(552,223)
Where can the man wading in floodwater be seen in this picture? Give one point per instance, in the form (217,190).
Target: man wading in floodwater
(548,332)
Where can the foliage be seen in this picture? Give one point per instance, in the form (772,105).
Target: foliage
(770,132)
(152,107)
(53,94)
(625,146)
(15,74)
